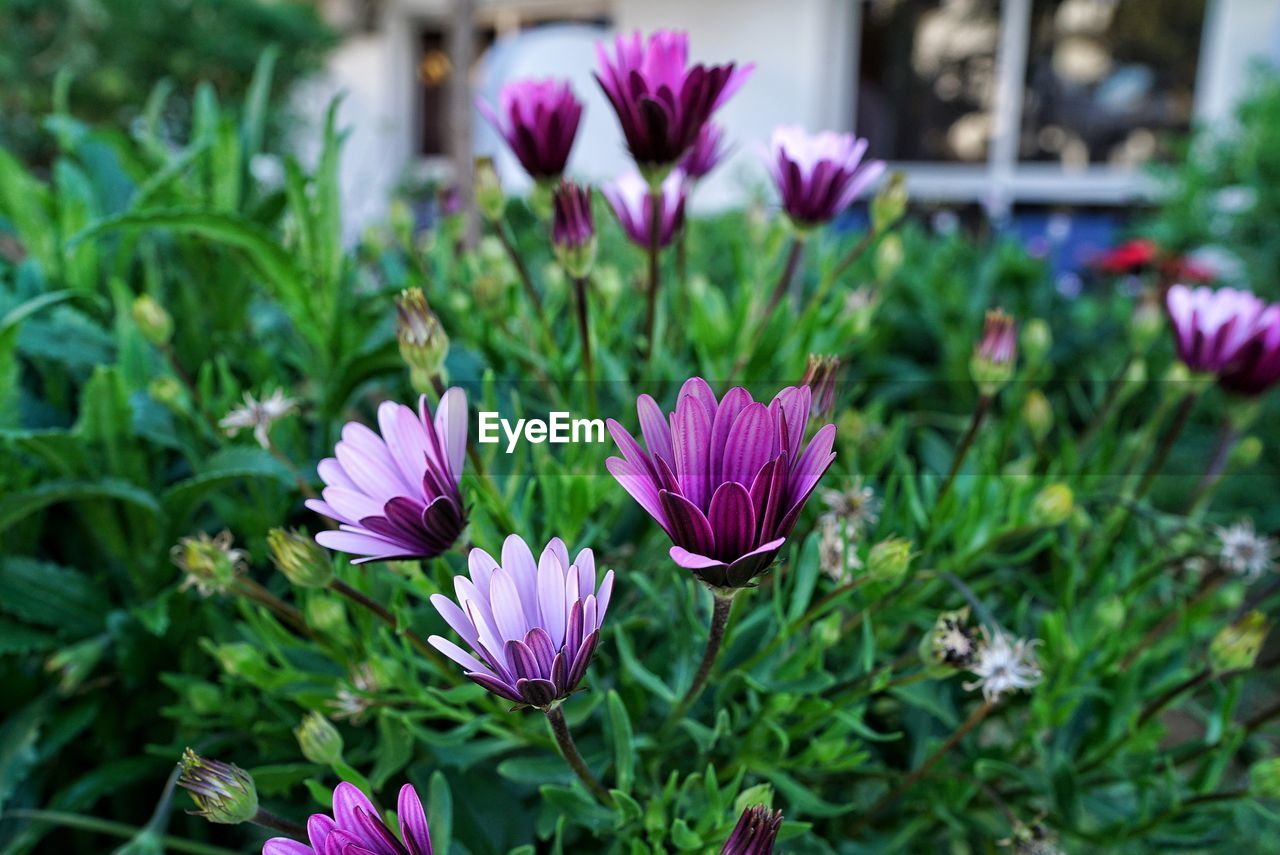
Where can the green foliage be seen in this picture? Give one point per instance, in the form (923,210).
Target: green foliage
(111,451)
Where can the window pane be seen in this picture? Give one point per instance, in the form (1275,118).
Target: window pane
(1106,79)
(927,78)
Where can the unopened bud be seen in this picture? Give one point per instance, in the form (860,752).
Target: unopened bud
(1264,778)
(423,342)
(889,257)
(1135,378)
(490,198)
(889,559)
(211,564)
(820,376)
(1037,415)
(319,740)
(1052,505)
(1110,614)
(890,202)
(153,321)
(223,792)
(166,389)
(1246,452)
(1037,340)
(1146,322)
(755,832)
(400,216)
(299,558)
(860,308)
(993,358)
(1236,645)
(573,231)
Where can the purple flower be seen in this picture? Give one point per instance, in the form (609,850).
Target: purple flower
(755,832)
(705,154)
(356,828)
(572,225)
(532,626)
(396,495)
(662,103)
(539,119)
(1212,329)
(726,480)
(632,203)
(1258,367)
(819,176)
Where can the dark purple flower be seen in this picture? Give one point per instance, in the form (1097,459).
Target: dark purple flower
(632,203)
(705,154)
(533,626)
(539,119)
(662,103)
(725,479)
(1258,367)
(356,828)
(755,832)
(396,495)
(820,376)
(819,176)
(1212,329)
(572,225)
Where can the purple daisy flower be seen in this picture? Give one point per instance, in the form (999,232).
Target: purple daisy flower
(539,120)
(755,832)
(532,626)
(396,495)
(661,102)
(819,176)
(1212,329)
(726,480)
(632,203)
(1258,368)
(356,828)
(705,154)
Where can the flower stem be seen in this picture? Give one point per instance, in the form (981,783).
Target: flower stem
(655,271)
(380,612)
(267,819)
(1185,406)
(788,273)
(979,413)
(569,750)
(722,607)
(114,829)
(584,329)
(974,719)
(1227,437)
(1103,414)
(526,281)
(252,590)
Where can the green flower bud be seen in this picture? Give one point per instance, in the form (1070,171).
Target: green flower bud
(319,740)
(992,363)
(1147,322)
(1264,778)
(423,342)
(299,558)
(211,564)
(167,389)
(1236,646)
(1037,415)
(860,308)
(223,792)
(889,257)
(890,202)
(1135,377)
(1037,340)
(1110,614)
(490,198)
(400,216)
(153,321)
(1052,505)
(326,614)
(889,559)
(1246,453)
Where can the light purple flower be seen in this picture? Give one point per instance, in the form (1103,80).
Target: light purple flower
(1258,367)
(396,495)
(662,103)
(755,832)
(532,626)
(356,828)
(539,120)
(1212,328)
(632,203)
(819,175)
(706,152)
(725,479)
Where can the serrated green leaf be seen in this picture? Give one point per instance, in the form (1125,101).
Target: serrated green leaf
(22,504)
(49,595)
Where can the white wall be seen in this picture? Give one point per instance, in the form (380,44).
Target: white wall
(1237,34)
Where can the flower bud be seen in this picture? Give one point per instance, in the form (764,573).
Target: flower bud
(490,198)
(166,389)
(423,342)
(1135,377)
(1052,505)
(1264,778)
(1037,340)
(223,792)
(211,564)
(299,558)
(1146,322)
(153,321)
(952,643)
(993,357)
(1110,614)
(889,257)
(755,832)
(1246,453)
(820,376)
(573,231)
(319,740)
(889,559)
(400,216)
(1037,415)
(860,308)
(326,614)
(889,203)
(1236,646)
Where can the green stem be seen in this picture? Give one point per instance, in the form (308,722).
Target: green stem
(655,270)
(966,442)
(113,829)
(526,280)
(1185,406)
(269,820)
(569,750)
(794,255)
(584,329)
(381,613)
(721,609)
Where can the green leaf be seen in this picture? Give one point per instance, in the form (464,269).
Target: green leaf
(18,738)
(20,638)
(22,504)
(440,812)
(52,596)
(623,741)
(226,467)
(395,750)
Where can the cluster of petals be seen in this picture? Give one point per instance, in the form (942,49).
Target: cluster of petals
(395,495)
(726,479)
(818,176)
(539,120)
(1230,333)
(356,828)
(531,626)
(632,203)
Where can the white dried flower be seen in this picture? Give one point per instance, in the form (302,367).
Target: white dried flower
(353,702)
(211,564)
(836,556)
(1245,552)
(856,506)
(1003,665)
(258,415)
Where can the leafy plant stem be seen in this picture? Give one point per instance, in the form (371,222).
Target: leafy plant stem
(584,329)
(260,595)
(721,609)
(267,819)
(380,612)
(655,270)
(569,750)
(1227,437)
(980,410)
(794,254)
(114,829)
(526,280)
